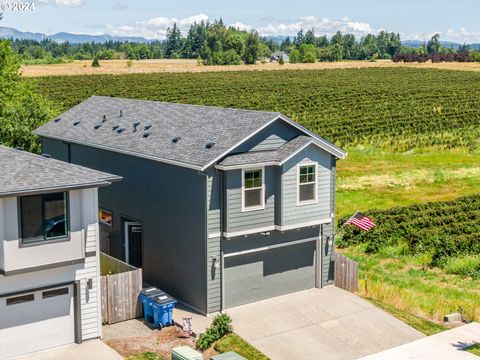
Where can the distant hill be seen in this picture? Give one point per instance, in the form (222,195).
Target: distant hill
(445,44)
(11,33)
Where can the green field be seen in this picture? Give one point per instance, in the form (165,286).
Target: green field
(413,136)
(392,108)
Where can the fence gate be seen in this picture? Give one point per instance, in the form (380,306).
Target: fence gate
(346,273)
(120,291)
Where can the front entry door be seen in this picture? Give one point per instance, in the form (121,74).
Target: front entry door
(133,243)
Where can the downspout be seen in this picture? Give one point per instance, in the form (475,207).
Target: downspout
(205,221)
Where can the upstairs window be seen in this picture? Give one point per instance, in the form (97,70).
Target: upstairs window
(43,217)
(253,189)
(307,184)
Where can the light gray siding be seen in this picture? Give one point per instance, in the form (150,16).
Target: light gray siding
(170,202)
(272,137)
(238,220)
(292,213)
(327,253)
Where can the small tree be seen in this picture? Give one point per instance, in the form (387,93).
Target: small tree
(281,61)
(294,56)
(95,62)
(252,45)
(434,46)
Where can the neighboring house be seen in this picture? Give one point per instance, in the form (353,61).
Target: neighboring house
(220,207)
(49,288)
(277,55)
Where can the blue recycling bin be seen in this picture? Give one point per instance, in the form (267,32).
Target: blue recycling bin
(162,307)
(146,296)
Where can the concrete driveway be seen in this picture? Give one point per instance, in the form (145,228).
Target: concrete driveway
(91,350)
(324,323)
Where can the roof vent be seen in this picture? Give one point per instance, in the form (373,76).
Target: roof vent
(115,127)
(19,148)
(48,156)
(147,127)
(57,119)
(121,112)
(120,130)
(146,134)
(176,139)
(97,126)
(104,118)
(135,124)
(76,123)
(210,144)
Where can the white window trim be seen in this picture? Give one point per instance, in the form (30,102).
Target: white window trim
(253,208)
(315,200)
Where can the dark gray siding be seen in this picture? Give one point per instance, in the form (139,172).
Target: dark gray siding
(297,214)
(58,149)
(272,137)
(214,195)
(170,202)
(260,275)
(236,220)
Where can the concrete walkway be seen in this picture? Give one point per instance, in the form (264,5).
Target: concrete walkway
(91,350)
(448,345)
(324,323)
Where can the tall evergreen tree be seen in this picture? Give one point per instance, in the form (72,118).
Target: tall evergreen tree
(252,46)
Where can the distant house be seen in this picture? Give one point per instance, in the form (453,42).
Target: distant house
(220,207)
(49,260)
(277,55)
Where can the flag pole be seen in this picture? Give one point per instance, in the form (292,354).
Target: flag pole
(343,225)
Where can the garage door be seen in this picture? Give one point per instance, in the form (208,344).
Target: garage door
(36,321)
(260,275)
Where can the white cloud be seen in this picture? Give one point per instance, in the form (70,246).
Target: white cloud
(66,3)
(119,6)
(155,28)
(322,26)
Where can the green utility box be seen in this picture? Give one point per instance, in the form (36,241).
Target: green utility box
(231,355)
(185,353)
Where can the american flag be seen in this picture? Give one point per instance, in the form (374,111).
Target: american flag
(361,221)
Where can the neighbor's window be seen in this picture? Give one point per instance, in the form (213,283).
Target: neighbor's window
(307,184)
(253,189)
(43,217)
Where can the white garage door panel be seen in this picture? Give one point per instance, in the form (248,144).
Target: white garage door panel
(36,325)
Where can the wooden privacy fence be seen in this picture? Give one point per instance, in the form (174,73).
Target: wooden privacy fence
(346,273)
(120,284)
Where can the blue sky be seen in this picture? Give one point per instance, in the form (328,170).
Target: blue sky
(455,20)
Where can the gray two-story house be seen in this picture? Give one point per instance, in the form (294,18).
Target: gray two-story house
(220,207)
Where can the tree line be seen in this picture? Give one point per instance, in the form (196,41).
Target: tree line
(214,43)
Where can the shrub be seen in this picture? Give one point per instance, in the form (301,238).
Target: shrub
(95,62)
(281,61)
(221,326)
(464,266)
(129,63)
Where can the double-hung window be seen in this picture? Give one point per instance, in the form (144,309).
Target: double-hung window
(253,189)
(44,217)
(307,184)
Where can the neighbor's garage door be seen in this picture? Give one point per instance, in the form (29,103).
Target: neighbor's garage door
(264,274)
(36,321)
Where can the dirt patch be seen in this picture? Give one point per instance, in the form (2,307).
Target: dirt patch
(160,342)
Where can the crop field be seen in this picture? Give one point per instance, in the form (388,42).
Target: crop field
(395,109)
(422,258)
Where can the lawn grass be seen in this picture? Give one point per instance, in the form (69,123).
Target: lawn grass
(145,356)
(475,349)
(407,283)
(425,326)
(233,342)
(372,179)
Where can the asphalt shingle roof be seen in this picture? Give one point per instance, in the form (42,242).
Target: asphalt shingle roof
(24,172)
(195,125)
(268,156)
(147,129)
